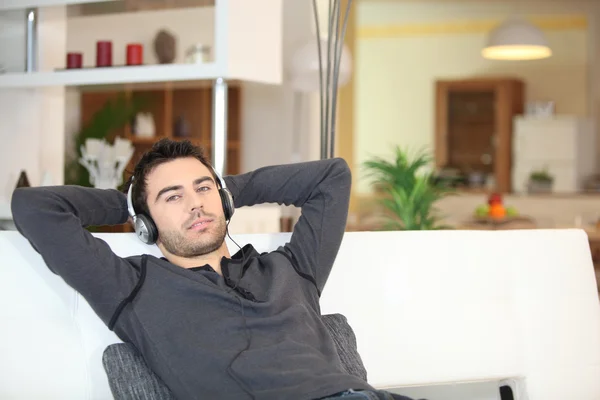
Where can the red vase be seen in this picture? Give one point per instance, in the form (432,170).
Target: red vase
(135,54)
(74,60)
(103,53)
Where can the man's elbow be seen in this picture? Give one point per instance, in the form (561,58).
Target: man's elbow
(342,170)
(23,201)
(18,199)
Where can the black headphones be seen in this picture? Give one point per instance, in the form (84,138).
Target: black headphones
(145,228)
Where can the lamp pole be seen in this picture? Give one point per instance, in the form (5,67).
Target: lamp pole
(219,126)
(329,70)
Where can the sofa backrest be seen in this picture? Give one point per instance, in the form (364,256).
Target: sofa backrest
(426,307)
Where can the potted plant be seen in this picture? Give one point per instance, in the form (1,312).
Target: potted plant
(540,181)
(407,192)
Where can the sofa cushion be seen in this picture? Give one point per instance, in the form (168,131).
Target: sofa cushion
(345,343)
(130,378)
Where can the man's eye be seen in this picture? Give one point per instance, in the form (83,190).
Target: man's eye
(203,189)
(173,198)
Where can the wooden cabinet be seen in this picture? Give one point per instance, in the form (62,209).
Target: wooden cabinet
(168,105)
(474,126)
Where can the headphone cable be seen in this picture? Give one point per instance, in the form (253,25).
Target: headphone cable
(230,371)
(243,256)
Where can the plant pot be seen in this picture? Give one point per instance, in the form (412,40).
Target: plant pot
(539,186)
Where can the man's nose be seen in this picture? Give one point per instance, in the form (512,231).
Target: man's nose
(195,202)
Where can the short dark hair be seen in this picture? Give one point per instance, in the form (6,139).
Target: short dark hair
(163,151)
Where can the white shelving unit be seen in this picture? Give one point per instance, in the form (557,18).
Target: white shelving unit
(247,47)
(246,41)
(19,4)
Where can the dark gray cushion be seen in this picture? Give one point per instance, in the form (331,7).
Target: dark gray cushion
(130,378)
(345,343)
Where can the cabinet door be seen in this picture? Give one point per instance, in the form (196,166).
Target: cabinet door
(466,121)
(474,127)
(471,125)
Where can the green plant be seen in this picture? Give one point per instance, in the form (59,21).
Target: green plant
(541,176)
(407,194)
(113,115)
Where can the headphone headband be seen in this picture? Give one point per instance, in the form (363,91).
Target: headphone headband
(220,181)
(130,200)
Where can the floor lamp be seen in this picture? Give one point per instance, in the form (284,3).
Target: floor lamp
(322,65)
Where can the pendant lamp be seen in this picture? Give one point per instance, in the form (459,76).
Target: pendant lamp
(516,39)
(305,69)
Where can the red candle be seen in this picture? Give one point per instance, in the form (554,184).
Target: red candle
(135,54)
(103,53)
(74,60)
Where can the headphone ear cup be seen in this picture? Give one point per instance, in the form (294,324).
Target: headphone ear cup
(145,229)
(227,201)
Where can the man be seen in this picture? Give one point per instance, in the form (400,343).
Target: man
(211,325)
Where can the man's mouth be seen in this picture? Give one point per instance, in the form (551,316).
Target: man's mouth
(200,224)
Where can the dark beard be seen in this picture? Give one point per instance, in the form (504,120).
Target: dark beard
(177,244)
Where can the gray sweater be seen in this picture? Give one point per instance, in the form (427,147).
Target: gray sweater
(253,333)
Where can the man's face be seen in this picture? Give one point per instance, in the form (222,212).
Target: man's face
(184,203)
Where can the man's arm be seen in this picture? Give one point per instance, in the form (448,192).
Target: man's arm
(53,220)
(321,189)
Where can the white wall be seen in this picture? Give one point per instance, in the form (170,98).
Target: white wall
(32,124)
(20,135)
(268,111)
(395,75)
(254,38)
(12,40)
(52,99)
(12,57)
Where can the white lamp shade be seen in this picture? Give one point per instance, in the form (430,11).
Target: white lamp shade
(516,39)
(304,66)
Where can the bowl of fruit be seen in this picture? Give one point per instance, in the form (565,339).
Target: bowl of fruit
(495,210)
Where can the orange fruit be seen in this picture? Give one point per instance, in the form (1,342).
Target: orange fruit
(497,211)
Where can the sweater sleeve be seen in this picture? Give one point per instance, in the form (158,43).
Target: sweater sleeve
(322,190)
(53,220)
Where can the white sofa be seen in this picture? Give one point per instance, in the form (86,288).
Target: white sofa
(427,308)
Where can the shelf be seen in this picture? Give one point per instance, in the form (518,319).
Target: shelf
(21,4)
(149,141)
(131,76)
(239,51)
